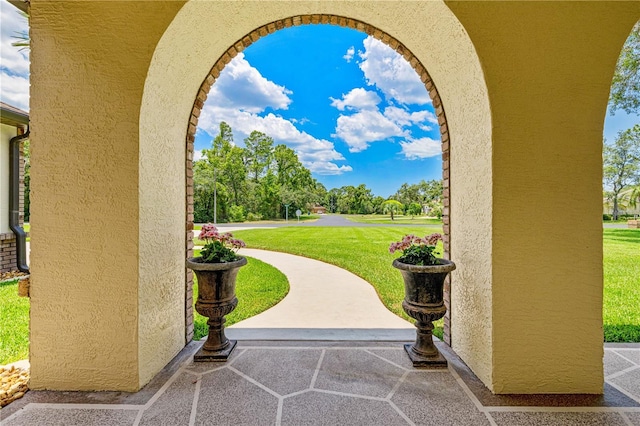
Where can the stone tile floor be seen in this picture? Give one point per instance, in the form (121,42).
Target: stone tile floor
(332,383)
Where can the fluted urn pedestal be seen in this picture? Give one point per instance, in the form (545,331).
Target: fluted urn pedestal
(424,302)
(216,298)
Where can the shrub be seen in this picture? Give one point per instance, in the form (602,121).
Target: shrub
(253,217)
(236,214)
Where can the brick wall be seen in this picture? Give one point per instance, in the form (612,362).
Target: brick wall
(7,252)
(246,41)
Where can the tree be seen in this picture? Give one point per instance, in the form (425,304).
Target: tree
(392,207)
(22,38)
(414,209)
(427,194)
(216,159)
(625,87)
(203,192)
(258,154)
(634,196)
(622,164)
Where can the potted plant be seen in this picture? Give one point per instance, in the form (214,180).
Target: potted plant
(424,275)
(216,269)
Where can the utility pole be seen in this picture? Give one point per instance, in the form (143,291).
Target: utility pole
(215,197)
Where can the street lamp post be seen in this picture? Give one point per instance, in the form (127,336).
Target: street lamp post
(286,214)
(215,197)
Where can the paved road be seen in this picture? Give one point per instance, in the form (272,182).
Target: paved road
(615,225)
(338,220)
(324,220)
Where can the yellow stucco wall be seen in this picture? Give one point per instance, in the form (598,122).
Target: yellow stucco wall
(88,261)
(203,31)
(525,98)
(548,67)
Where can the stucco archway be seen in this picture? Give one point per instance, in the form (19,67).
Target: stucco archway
(263,31)
(203,33)
(526,174)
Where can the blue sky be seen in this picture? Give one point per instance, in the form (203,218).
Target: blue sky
(353,110)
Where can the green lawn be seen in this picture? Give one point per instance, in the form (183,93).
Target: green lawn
(259,286)
(14,324)
(397,220)
(621,285)
(373,263)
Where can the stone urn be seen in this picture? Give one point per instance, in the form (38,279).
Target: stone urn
(424,302)
(216,298)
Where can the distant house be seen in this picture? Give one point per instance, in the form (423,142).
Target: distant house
(625,205)
(13,123)
(318,210)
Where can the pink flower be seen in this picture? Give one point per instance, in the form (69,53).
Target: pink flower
(211,234)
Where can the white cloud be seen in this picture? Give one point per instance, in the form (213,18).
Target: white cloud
(241,86)
(14,90)
(302,121)
(349,55)
(14,63)
(323,168)
(197,154)
(362,128)
(421,148)
(316,154)
(391,73)
(241,93)
(403,117)
(358,99)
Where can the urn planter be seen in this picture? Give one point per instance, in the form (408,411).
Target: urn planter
(424,302)
(216,298)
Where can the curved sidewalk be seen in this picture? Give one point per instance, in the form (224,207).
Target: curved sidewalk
(324,302)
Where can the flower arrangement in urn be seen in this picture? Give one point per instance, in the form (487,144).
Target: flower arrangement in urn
(424,275)
(417,250)
(216,270)
(218,247)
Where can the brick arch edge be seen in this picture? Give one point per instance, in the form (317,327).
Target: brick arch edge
(245,42)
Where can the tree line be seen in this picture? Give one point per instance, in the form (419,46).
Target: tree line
(259,181)
(621,158)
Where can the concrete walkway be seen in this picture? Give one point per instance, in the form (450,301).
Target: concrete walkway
(324,303)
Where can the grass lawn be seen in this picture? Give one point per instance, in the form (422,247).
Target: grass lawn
(621,285)
(397,220)
(259,286)
(337,246)
(14,320)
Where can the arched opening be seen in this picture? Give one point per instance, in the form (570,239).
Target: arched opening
(263,31)
(181,71)
(134,88)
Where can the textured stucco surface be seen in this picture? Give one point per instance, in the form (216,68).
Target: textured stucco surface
(548,74)
(181,63)
(525,100)
(89,266)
